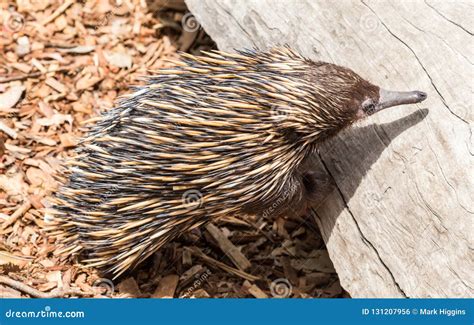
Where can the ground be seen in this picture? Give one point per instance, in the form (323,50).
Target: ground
(63,63)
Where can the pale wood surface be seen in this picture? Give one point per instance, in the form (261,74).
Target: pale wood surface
(400,220)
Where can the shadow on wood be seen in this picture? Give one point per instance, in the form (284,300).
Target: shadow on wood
(372,150)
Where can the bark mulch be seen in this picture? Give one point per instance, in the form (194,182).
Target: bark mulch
(64,62)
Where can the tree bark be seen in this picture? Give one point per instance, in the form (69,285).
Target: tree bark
(399,220)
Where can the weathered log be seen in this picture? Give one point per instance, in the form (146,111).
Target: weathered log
(399,221)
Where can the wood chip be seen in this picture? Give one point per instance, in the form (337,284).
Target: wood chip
(187,258)
(166,287)
(57,12)
(130,287)
(17,214)
(87,82)
(7,292)
(120,60)
(8,258)
(254,290)
(9,131)
(23,46)
(228,248)
(200,293)
(9,98)
(56,85)
(290,272)
(23,67)
(55,277)
(68,140)
(223,266)
(56,119)
(318,260)
(2,147)
(13,148)
(15,184)
(38,65)
(80,49)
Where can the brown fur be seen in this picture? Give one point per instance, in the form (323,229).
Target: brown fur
(235,128)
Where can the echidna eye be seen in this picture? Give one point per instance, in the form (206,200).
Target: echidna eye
(369,108)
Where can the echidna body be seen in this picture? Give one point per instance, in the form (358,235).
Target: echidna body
(218,135)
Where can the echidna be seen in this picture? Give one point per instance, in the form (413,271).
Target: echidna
(220,134)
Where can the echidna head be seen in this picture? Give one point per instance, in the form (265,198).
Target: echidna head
(341,97)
